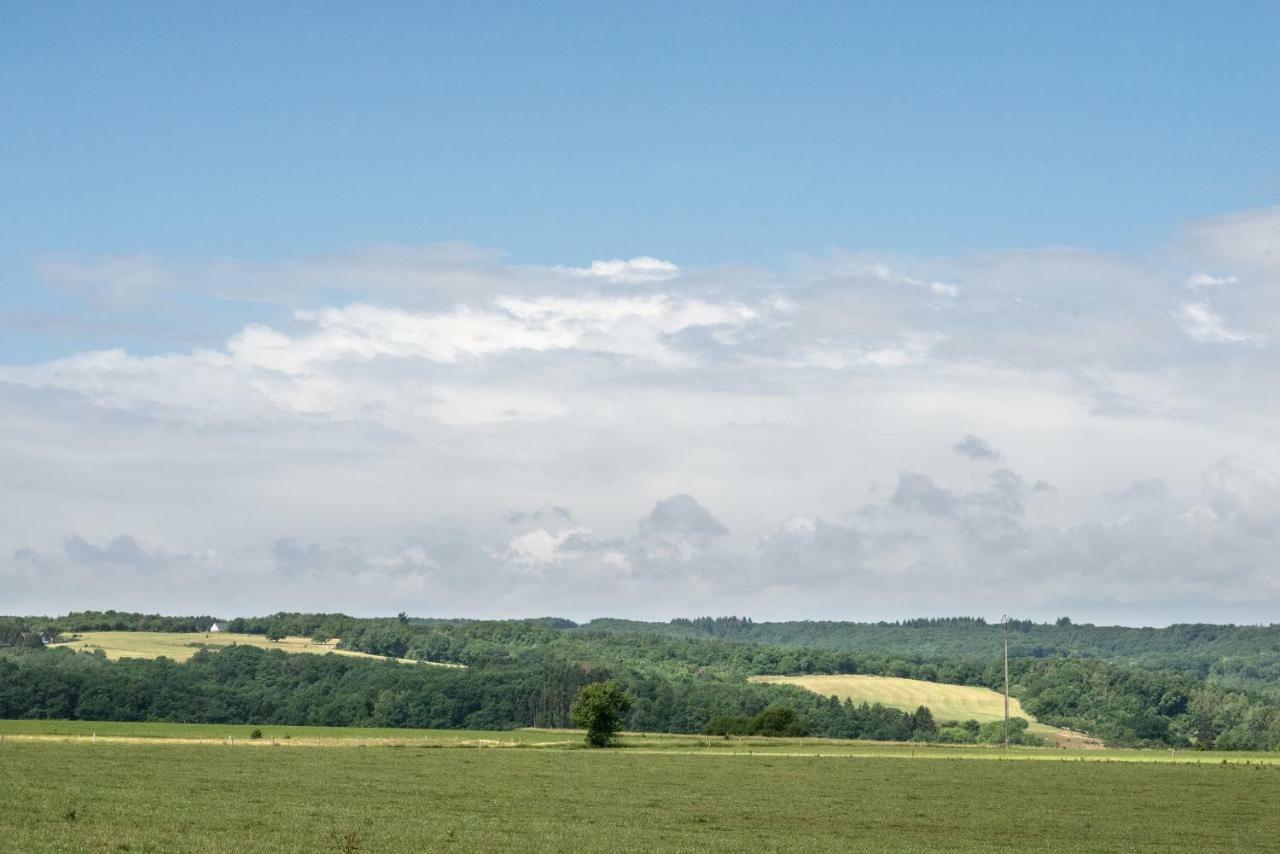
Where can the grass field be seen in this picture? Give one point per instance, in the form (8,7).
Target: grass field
(147,795)
(239,735)
(302,736)
(947,702)
(180,646)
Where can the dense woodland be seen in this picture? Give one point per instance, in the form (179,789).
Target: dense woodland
(1183,686)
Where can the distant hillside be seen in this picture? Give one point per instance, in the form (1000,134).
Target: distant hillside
(1243,657)
(1201,686)
(946,702)
(181,646)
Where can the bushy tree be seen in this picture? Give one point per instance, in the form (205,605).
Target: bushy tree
(598,709)
(992,732)
(776,721)
(923,726)
(780,721)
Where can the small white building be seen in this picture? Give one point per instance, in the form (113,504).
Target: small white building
(215,628)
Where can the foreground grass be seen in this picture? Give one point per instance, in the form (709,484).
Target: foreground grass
(166,796)
(180,646)
(947,702)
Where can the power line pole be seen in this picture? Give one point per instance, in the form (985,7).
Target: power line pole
(1004,621)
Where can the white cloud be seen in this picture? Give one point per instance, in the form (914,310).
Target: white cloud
(263,370)
(1205,325)
(1248,242)
(541,547)
(882,272)
(364,449)
(1245,493)
(634,271)
(1205,280)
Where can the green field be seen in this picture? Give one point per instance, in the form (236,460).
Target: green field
(180,646)
(168,795)
(240,735)
(947,702)
(284,735)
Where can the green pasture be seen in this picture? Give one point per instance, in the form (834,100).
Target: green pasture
(273,735)
(148,730)
(170,796)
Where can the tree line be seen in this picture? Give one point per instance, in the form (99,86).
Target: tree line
(245,685)
(526,673)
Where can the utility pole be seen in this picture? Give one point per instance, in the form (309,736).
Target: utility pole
(1004,621)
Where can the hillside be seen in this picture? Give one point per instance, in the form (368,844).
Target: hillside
(180,646)
(1237,657)
(681,676)
(946,702)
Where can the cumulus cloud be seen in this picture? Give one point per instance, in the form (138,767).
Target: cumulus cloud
(363,446)
(682,516)
(927,540)
(1245,494)
(1247,241)
(633,271)
(1206,280)
(541,547)
(310,372)
(1205,325)
(1150,489)
(976,448)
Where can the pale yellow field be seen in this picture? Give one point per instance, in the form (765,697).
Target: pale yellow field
(180,646)
(947,702)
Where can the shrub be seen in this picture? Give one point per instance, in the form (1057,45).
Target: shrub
(774,721)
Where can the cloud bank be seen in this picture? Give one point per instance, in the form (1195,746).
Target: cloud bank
(439,430)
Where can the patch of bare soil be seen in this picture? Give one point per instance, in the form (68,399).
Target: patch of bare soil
(1069,739)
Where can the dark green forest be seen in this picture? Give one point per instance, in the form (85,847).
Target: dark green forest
(1182,686)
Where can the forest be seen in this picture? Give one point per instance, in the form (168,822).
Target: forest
(1129,687)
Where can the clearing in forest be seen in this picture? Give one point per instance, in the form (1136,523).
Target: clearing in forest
(947,702)
(180,646)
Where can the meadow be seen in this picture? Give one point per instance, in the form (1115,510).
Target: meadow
(273,735)
(180,646)
(947,702)
(64,792)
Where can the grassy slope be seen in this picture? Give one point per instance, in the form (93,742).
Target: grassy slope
(947,702)
(57,796)
(180,646)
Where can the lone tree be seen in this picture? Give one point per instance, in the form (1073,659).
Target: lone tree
(599,708)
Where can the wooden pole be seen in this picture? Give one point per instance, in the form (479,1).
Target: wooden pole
(1005,622)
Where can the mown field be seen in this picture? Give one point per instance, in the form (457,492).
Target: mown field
(150,795)
(180,646)
(947,702)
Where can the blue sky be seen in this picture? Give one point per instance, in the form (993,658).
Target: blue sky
(706,132)
(611,255)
